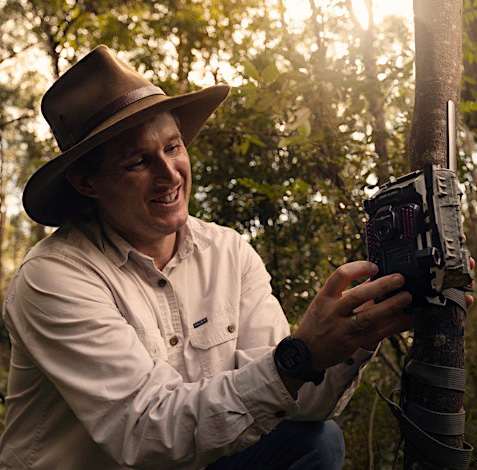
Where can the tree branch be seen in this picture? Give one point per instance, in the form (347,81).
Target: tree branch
(15,53)
(4,124)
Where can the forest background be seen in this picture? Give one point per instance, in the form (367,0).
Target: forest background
(320,115)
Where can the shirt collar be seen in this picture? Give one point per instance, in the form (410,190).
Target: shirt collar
(193,235)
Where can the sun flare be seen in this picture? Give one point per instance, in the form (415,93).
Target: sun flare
(299,10)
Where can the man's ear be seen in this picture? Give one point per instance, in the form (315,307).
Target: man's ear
(81,183)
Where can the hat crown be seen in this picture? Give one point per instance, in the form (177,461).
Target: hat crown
(91,86)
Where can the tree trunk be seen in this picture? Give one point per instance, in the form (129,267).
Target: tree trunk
(438,32)
(439,330)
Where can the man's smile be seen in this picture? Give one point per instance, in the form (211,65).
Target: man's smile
(168,198)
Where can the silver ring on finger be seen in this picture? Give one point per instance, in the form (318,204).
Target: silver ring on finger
(355,325)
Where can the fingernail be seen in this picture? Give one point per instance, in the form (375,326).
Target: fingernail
(407,296)
(374,269)
(398,280)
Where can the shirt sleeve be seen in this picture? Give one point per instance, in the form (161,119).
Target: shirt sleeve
(264,325)
(138,409)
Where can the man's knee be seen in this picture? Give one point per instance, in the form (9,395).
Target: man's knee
(333,439)
(293,445)
(322,446)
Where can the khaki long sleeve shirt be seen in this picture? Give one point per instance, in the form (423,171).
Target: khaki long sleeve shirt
(116,364)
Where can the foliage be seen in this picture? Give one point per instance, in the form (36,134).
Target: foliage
(320,114)
(371,432)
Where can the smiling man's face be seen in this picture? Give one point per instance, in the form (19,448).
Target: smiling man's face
(143,187)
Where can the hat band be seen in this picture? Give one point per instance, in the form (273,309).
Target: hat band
(110,109)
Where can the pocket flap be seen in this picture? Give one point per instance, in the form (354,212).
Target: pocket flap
(219,328)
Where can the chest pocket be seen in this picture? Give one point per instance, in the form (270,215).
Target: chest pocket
(152,340)
(214,339)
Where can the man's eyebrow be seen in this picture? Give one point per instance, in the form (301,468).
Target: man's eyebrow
(175,136)
(131,151)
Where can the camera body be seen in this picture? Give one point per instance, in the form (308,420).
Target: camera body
(415,228)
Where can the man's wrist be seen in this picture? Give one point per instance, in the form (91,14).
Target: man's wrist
(293,359)
(291,384)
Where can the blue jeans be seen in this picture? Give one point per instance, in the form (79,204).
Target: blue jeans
(292,445)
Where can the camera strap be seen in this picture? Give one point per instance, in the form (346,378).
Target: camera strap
(455,295)
(417,423)
(417,430)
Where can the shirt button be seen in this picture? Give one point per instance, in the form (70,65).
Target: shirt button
(349,361)
(161,282)
(174,340)
(231,328)
(280,414)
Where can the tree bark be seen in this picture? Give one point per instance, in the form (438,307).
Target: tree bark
(439,330)
(438,32)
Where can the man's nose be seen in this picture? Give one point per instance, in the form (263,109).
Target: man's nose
(165,168)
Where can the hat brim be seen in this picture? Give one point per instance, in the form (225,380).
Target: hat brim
(49,199)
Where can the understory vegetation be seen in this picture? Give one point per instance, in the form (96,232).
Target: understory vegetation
(320,114)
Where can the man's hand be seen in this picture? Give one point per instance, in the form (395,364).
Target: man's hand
(337,323)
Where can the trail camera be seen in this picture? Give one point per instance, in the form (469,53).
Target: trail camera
(415,227)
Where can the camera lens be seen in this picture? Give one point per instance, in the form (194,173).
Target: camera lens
(384,225)
(384,231)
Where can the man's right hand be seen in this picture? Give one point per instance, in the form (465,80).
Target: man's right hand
(338,322)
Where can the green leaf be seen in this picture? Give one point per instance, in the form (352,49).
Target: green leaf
(265,102)
(304,130)
(257,141)
(270,74)
(298,118)
(249,69)
(285,141)
(244,147)
(468,106)
(470,80)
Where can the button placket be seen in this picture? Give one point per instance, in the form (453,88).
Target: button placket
(174,332)
(168,309)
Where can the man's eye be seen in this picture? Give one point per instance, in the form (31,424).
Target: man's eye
(136,164)
(172,148)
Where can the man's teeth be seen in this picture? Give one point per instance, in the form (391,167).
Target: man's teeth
(167,199)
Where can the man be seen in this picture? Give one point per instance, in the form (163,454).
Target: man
(145,338)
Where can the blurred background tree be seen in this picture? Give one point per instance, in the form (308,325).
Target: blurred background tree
(319,115)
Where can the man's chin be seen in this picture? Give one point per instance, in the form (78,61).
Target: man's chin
(168,227)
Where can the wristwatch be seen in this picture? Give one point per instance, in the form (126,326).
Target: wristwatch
(293,358)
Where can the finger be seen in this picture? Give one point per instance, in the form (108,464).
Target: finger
(469,300)
(365,292)
(472,263)
(350,290)
(399,323)
(385,312)
(345,274)
(364,306)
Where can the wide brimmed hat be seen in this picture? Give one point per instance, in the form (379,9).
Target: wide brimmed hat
(94,101)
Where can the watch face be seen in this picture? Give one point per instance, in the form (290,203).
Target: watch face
(290,357)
